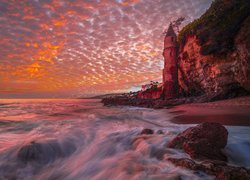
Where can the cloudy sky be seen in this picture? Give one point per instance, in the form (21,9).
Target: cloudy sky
(75,48)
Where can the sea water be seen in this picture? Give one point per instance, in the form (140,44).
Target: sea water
(82,139)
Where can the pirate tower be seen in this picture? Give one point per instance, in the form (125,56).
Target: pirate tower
(170,71)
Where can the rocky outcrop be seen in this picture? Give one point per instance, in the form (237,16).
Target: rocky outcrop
(203,141)
(150,94)
(200,139)
(219,169)
(218,76)
(132,101)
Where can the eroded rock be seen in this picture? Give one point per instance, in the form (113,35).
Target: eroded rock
(203,141)
(217,168)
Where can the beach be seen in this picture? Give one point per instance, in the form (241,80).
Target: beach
(234,112)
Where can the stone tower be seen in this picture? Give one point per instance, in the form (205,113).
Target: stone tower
(170,71)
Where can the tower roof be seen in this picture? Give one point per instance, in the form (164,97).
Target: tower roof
(170,31)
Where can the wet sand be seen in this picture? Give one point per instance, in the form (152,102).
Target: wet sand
(235,112)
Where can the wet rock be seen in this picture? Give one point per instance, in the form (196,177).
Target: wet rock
(44,152)
(213,132)
(160,132)
(147,131)
(202,141)
(203,149)
(29,152)
(217,168)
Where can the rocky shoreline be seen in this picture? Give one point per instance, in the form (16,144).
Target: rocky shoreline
(126,100)
(204,144)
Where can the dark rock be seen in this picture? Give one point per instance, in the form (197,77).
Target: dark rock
(216,168)
(203,149)
(202,141)
(147,131)
(230,91)
(160,132)
(45,152)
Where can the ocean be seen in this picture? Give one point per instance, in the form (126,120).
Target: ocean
(82,139)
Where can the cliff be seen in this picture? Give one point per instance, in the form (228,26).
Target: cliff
(214,57)
(150,94)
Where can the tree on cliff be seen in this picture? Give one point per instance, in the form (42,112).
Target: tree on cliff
(177,23)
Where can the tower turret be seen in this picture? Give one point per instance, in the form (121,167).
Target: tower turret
(170,71)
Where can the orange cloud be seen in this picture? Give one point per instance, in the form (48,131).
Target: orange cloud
(88,5)
(85,47)
(59,23)
(129,2)
(44,26)
(28,17)
(33,68)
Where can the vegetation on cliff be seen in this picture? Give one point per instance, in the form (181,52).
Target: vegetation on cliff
(217,28)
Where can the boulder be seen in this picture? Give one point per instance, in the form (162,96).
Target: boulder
(203,149)
(147,131)
(218,169)
(159,132)
(45,152)
(203,141)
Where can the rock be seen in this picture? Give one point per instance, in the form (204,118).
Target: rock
(203,149)
(159,132)
(45,152)
(30,152)
(202,141)
(217,168)
(212,75)
(147,131)
(150,94)
(213,132)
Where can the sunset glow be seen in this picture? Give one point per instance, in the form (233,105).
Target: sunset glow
(78,48)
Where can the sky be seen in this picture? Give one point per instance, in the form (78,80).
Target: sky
(81,48)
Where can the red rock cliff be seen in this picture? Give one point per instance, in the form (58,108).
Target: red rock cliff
(209,63)
(208,74)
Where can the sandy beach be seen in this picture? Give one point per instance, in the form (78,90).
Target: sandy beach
(234,112)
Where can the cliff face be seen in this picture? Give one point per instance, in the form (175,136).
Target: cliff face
(220,71)
(151,94)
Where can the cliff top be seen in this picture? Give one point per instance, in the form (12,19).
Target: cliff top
(217,27)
